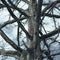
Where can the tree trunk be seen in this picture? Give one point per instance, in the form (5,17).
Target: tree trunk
(31,25)
(33,29)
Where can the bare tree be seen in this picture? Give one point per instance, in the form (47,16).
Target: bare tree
(39,15)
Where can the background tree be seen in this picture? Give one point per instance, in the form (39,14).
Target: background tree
(37,28)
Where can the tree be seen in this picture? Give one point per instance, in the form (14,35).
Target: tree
(39,38)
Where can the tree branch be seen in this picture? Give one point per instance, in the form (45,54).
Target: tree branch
(52,33)
(8,52)
(50,6)
(10,22)
(15,7)
(5,37)
(26,1)
(51,15)
(17,19)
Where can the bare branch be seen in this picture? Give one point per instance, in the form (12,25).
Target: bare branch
(51,6)
(52,33)
(10,22)
(5,37)
(8,52)
(23,13)
(26,1)
(17,19)
(51,15)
